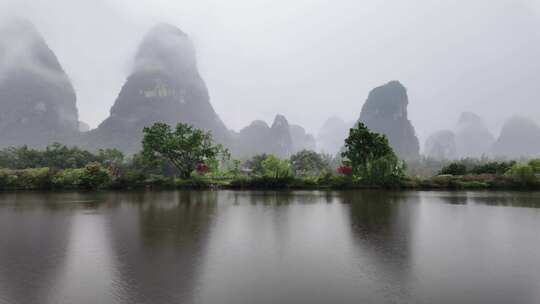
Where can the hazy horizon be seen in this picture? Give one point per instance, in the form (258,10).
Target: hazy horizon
(310,60)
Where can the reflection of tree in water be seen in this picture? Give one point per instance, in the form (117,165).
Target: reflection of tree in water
(279,198)
(381,228)
(33,241)
(160,244)
(455,198)
(507,199)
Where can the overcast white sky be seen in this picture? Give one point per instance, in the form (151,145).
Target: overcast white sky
(310,59)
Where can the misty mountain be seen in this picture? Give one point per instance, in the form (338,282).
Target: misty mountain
(83,127)
(385,112)
(441,145)
(473,138)
(332,135)
(259,138)
(301,140)
(37,99)
(165,86)
(520,137)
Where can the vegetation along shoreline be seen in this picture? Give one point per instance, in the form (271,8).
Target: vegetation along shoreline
(187,158)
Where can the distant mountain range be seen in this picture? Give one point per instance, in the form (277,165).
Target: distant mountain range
(38,107)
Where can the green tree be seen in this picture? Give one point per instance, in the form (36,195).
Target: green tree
(94,176)
(362,147)
(385,171)
(61,156)
(184,147)
(110,157)
(522,174)
(255,164)
(308,163)
(535,165)
(20,158)
(276,168)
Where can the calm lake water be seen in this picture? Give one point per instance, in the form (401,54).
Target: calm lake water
(270,247)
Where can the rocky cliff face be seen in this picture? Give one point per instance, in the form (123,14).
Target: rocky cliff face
(37,100)
(331,137)
(385,112)
(473,139)
(259,138)
(165,86)
(301,139)
(441,145)
(520,137)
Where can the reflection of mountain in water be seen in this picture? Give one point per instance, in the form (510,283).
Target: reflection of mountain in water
(33,240)
(381,228)
(160,259)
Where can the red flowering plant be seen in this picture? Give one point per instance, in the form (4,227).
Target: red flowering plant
(345,170)
(202,168)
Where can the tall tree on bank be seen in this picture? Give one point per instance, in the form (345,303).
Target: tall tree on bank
(184,147)
(371,156)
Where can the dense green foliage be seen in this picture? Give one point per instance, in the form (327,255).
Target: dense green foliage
(56,156)
(184,147)
(368,161)
(92,176)
(454,169)
(363,146)
(276,168)
(371,157)
(309,163)
(470,166)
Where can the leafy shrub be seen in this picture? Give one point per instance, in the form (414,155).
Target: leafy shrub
(26,179)
(523,175)
(160,181)
(493,168)
(92,176)
(454,169)
(128,180)
(385,171)
(535,165)
(308,163)
(275,168)
(68,178)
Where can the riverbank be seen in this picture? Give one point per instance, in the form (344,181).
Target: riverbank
(97,178)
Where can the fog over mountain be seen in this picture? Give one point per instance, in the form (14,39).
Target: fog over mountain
(520,137)
(37,100)
(473,138)
(309,60)
(441,145)
(259,138)
(385,112)
(165,86)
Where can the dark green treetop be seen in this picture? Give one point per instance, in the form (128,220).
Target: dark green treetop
(184,147)
(363,146)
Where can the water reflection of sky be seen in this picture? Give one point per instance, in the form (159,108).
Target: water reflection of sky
(270,247)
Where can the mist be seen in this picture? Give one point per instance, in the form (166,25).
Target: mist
(310,60)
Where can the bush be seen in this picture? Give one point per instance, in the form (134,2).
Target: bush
(95,176)
(68,178)
(385,171)
(92,176)
(27,179)
(454,169)
(493,168)
(129,180)
(275,168)
(160,181)
(535,165)
(523,175)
